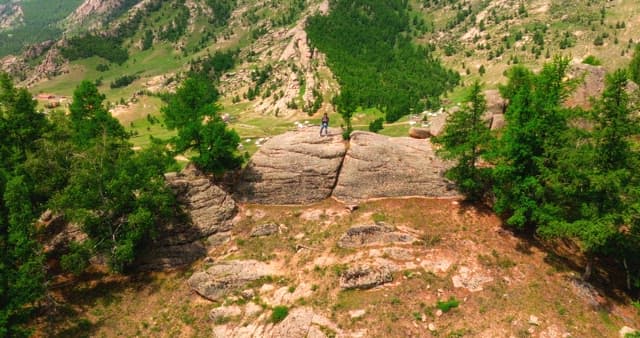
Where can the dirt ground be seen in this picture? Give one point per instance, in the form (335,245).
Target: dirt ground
(504,285)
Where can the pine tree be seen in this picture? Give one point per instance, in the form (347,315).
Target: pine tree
(193,112)
(21,262)
(465,139)
(536,123)
(634,66)
(90,119)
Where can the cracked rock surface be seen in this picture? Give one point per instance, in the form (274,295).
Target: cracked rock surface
(293,168)
(379,166)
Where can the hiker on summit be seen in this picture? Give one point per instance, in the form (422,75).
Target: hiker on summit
(325,125)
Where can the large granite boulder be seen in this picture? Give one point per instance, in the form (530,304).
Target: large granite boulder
(208,210)
(219,280)
(293,168)
(209,207)
(379,166)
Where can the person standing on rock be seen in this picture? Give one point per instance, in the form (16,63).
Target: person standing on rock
(325,125)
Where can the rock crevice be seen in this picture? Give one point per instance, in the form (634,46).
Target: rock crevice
(302,167)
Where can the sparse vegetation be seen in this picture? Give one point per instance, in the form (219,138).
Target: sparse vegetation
(447,305)
(279,313)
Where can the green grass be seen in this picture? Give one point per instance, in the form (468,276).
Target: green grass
(447,305)
(161,59)
(279,313)
(143,129)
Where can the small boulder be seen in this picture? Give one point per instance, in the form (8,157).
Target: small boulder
(497,122)
(419,133)
(625,330)
(224,312)
(265,230)
(220,279)
(380,233)
(533,320)
(365,277)
(354,314)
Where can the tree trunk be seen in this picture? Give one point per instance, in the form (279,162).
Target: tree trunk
(588,269)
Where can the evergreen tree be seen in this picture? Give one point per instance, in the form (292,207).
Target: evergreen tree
(603,195)
(21,262)
(536,123)
(22,124)
(194,113)
(465,139)
(118,196)
(90,119)
(634,66)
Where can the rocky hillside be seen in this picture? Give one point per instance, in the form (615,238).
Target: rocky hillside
(392,267)
(276,72)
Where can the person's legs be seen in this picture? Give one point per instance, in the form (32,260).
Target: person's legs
(324,126)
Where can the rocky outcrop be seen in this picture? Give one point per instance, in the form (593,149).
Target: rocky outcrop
(52,65)
(265,230)
(378,166)
(495,103)
(592,83)
(300,323)
(91,8)
(35,50)
(224,277)
(377,234)
(209,211)
(57,233)
(293,168)
(11,15)
(365,276)
(209,207)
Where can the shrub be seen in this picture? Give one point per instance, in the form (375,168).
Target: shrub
(599,41)
(591,60)
(102,67)
(376,126)
(77,260)
(346,134)
(123,81)
(446,306)
(279,313)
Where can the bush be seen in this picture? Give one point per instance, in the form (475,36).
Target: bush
(102,67)
(123,81)
(599,41)
(446,306)
(346,134)
(77,260)
(279,313)
(376,126)
(591,60)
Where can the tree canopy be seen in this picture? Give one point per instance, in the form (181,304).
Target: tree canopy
(466,138)
(193,112)
(373,59)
